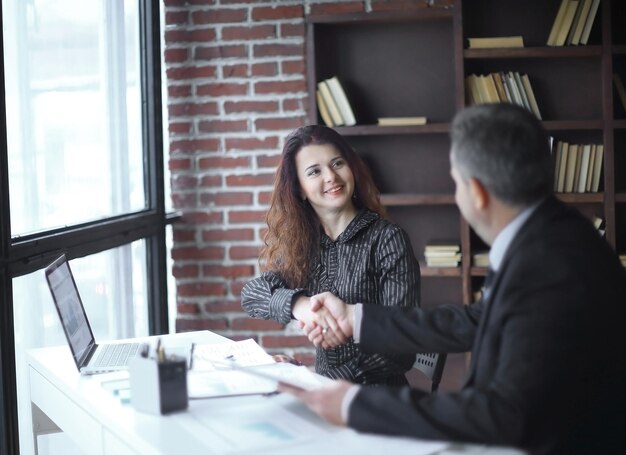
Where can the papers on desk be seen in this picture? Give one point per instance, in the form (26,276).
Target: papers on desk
(249,380)
(242,368)
(245,353)
(257,424)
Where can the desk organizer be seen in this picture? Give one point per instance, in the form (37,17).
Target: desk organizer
(158,387)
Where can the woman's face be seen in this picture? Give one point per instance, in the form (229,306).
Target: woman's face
(325,178)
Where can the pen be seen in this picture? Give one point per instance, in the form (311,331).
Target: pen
(159,351)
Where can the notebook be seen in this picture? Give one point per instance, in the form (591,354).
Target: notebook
(89,356)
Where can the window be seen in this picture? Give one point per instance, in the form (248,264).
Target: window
(81,172)
(75,146)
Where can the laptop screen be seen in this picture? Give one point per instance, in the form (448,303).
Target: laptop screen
(70,308)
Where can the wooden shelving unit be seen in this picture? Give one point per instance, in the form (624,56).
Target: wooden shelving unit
(414,64)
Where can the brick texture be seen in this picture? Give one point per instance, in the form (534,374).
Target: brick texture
(236,86)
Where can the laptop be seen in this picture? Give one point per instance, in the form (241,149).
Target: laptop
(89,356)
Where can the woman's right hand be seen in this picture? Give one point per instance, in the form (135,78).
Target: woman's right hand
(319,326)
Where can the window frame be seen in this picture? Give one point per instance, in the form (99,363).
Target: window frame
(26,254)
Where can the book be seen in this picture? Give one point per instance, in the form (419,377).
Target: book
(500,88)
(562,167)
(490,88)
(619,87)
(442,245)
(341,100)
(558,20)
(481,87)
(531,95)
(321,105)
(558,154)
(585,155)
(507,91)
(442,256)
(516,96)
(474,84)
(481,259)
(496,42)
(579,160)
(331,106)
(589,22)
(401,121)
(570,171)
(597,168)
(522,90)
(592,160)
(579,22)
(470,96)
(568,19)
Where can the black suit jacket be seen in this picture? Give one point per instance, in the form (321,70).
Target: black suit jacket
(548,349)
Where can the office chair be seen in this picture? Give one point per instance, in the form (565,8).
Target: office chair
(431,365)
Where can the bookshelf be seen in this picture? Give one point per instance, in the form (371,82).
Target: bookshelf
(414,63)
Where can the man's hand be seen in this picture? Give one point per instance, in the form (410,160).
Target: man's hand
(325,401)
(319,325)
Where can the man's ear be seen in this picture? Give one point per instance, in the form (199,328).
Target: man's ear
(479,194)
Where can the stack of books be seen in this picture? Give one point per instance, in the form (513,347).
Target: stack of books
(573,22)
(442,254)
(496,42)
(481,259)
(577,167)
(333,104)
(502,87)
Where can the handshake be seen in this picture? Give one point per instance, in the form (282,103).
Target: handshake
(325,319)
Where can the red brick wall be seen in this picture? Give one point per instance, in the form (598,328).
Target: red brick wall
(236,86)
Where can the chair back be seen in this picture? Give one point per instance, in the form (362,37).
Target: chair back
(431,365)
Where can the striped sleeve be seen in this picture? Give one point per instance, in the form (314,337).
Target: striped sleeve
(267,297)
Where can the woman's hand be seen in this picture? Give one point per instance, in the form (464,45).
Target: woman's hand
(318,324)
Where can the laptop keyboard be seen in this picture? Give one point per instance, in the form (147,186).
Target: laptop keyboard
(114,355)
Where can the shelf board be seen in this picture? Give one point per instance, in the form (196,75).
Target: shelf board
(619,124)
(421,14)
(439,271)
(620,197)
(375,130)
(393,200)
(619,49)
(553,125)
(535,52)
(581,198)
(478,271)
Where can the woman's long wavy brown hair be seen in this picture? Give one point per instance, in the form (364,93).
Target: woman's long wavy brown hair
(293,236)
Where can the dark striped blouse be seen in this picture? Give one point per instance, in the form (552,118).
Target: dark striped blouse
(372,261)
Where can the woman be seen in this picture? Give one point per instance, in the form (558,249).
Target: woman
(327,232)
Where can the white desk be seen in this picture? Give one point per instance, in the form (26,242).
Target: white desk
(97,421)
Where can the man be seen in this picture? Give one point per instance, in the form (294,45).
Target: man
(548,357)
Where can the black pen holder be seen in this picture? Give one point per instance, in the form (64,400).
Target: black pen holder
(158,387)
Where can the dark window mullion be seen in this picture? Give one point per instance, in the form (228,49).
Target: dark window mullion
(9,442)
(38,252)
(150,36)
